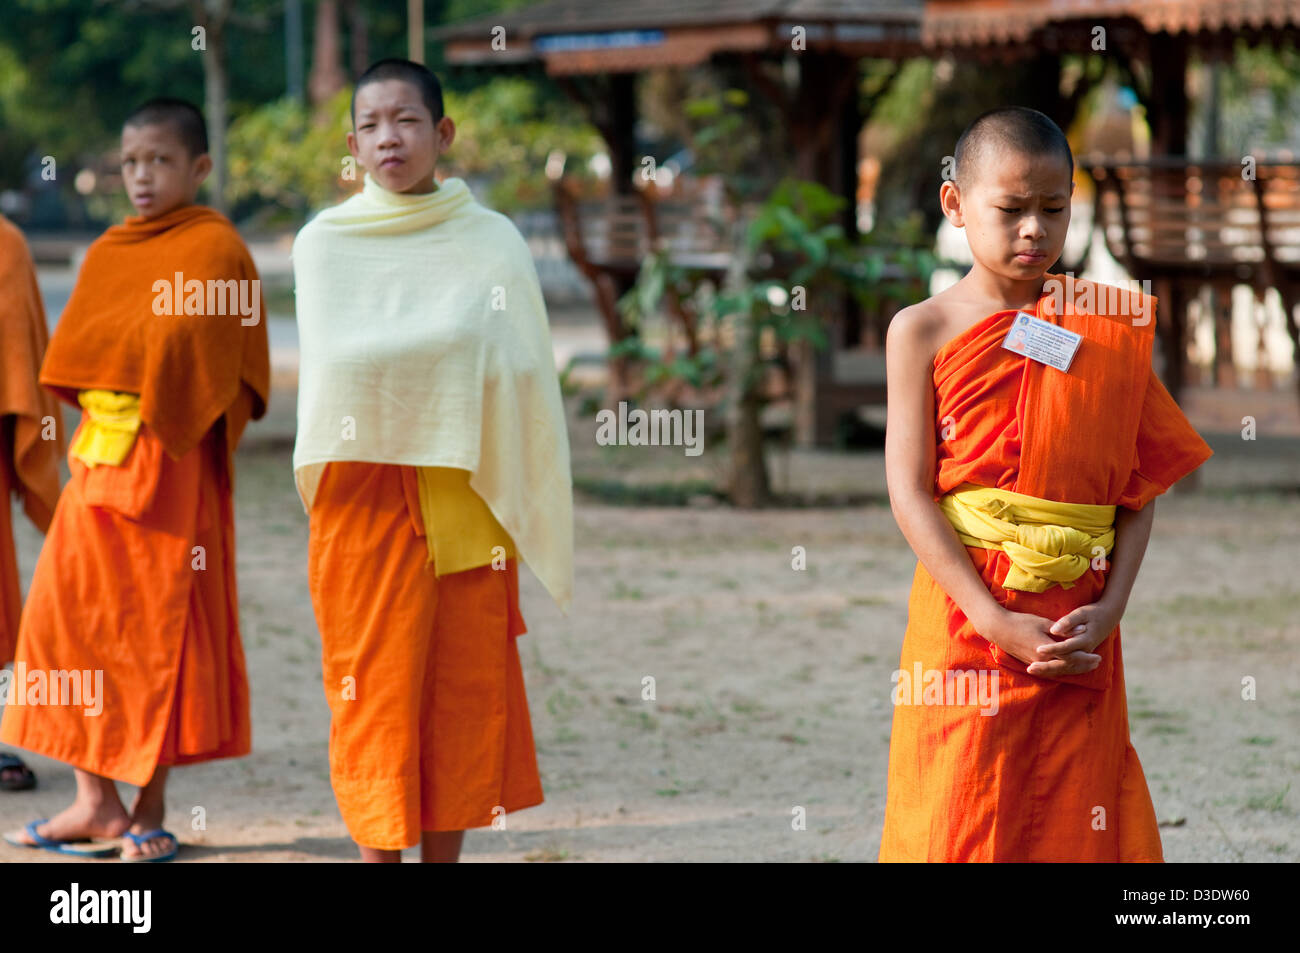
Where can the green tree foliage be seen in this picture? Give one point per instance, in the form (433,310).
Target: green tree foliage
(70,71)
(506,129)
(799,263)
(795,241)
(287,157)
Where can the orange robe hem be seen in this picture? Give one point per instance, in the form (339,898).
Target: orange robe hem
(429,728)
(136,586)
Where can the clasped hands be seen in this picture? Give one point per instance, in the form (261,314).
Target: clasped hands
(1029,637)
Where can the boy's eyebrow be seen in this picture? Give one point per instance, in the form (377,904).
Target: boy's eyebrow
(365,113)
(1014,197)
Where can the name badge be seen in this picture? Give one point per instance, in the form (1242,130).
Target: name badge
(1042,341)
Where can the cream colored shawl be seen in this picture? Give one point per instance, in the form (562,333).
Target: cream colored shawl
(424,342)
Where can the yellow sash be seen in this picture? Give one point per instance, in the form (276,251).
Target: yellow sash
(112,421)
(1047,542)
(461,531)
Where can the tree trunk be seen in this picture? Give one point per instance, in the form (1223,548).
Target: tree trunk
(214,87)
(749,486)
(213,16)
(358,38)
(326,77)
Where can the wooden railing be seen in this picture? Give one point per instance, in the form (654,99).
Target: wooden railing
(1185,225)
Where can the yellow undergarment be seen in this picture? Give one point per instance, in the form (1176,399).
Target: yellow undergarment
(462,532)
(108,432)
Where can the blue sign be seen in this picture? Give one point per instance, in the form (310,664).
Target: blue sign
(573,42)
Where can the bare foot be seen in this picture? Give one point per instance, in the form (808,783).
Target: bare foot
(153,847)
(147,811)
(82,821)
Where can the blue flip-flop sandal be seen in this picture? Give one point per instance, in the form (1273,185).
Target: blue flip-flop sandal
(139,840)
(74,848)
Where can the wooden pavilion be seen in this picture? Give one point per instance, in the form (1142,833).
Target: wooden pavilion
(594,48)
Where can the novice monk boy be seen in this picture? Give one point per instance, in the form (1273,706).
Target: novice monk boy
(431,454)
(163,345)
(31,440)
(1024,480)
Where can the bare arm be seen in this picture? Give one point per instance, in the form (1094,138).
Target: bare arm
(1132,533)
(910,469)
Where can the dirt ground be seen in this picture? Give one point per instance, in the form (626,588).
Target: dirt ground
(772,685)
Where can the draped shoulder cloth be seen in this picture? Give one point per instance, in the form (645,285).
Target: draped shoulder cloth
(169,309)
(424,342)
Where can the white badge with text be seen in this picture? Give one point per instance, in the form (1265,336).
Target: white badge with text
(1042,341)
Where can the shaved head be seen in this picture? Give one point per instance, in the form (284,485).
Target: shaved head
(184,117)
(1009,129)
(408,72)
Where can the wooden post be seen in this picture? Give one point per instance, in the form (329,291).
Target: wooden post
(622,131)
(415,30)
(1225,371)
(824,121)
(1175,339)
(1169,90)
(293,49)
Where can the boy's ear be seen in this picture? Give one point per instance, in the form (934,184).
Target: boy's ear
(352,145)
(202,168)
(446,130)
(950,203)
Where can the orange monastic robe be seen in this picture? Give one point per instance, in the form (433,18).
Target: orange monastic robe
(137,576)
(430,728)
(31,431)
(1052,774)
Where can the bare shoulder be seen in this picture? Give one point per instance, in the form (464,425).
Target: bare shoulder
(918,329)
(924,328)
